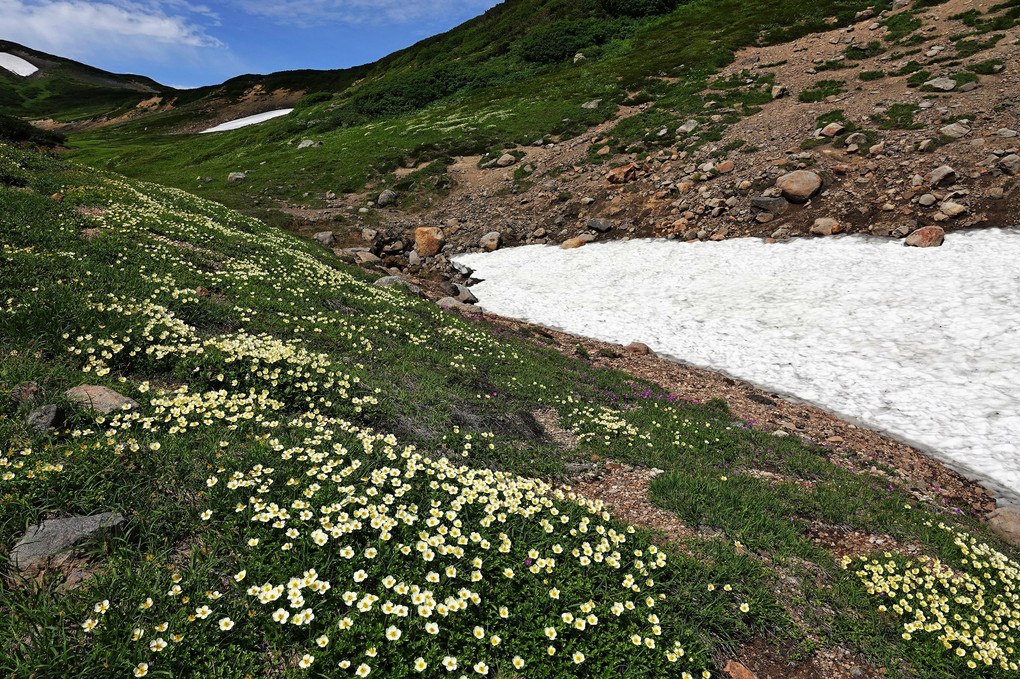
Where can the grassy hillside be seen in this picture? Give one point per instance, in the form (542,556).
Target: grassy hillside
(303,432)
(67,90)
(503,79)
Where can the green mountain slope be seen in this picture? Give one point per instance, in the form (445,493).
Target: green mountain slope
(67,90)
(506,78)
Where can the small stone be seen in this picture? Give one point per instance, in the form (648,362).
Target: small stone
(387,197)
(779,91)
(737,670)
(413,259)
(725,167)
(968,87)
(687,127)
(324,237)
(996,193)
(622,174)
(826,226)
(572,243)
(926,237)
(955,130)
(1005,132)
(506,160)
(308,143)
(943,176)
(368,234)
(591,105)
(398,282)
(953,209)
(599,224)
(832,129)
(24,393)
(638,348)
(236,176)
(1010,164)
(876,149)
(942,84)
(927,200)
(101,399)
(45,418)
(490,241)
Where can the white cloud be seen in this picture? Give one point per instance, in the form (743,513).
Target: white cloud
(147,30)
(316,12)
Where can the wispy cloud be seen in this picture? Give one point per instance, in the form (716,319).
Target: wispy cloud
(148,30)
(316,12)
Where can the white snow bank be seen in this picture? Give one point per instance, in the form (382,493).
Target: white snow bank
(17,65)
(921,343)
(248,120)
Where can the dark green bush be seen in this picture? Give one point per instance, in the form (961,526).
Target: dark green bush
(561,40)
(16,130)
(640,8)
(312,99)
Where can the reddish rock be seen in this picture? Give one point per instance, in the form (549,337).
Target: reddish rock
(737,670)
(428,240)
(638,348)
(926,237)
(572,243)
(57,196)
(840,169)
(826,226)
(622,174)
(604,151)
(202,291)
(725,167)
(799,186)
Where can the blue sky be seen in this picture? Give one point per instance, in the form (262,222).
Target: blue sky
(188,44)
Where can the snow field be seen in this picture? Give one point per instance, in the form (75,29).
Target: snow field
(923,344)
(17,65)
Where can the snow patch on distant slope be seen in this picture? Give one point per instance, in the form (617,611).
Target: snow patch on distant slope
(17,65)
(248,120)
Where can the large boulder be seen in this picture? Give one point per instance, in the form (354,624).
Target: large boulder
(428,240)
(387,197)
(1005,522)
(101,399)
(799,186)
(955,130)
(926,237)
(506,160)
(49,541)
(941,83)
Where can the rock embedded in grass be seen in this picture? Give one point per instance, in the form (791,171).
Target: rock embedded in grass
(47,541)
(398,282)
(323,237)
(387,197)
(101,399)
(45,418)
